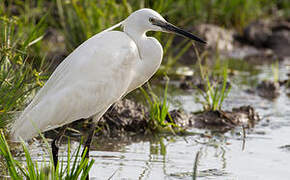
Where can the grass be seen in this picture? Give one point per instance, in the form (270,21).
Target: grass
(159,117)
(275,71)
(216,93)
(20,73)
(216,88)
(76,168)
(79,20)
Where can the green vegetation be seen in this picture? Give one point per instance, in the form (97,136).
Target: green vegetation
(76,168)
(215,90)
(275,70)
(20,73)
(79,20)
(215,93)
(159,117)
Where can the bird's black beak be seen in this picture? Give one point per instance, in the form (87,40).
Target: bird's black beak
(167,27)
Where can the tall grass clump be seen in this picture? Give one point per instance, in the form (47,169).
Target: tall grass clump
(215,93)
(216,87)
(159,117)
(75,168)
(20,73)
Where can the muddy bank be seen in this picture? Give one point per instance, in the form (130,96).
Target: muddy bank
(224,120)
(217,120)
(123,117)
(128,117)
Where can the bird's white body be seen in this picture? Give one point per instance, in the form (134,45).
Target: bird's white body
(94,76)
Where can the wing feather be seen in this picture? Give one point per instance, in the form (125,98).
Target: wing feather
(85,84)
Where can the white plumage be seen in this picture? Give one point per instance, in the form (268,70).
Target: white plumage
(96,74)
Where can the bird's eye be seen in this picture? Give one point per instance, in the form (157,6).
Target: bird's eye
(151,19)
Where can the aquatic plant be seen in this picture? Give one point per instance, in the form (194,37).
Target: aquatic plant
(159,117)
(75,168)
(214,93)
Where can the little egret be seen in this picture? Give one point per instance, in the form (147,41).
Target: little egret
(96,74)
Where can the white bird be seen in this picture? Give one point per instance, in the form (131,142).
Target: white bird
(96,74)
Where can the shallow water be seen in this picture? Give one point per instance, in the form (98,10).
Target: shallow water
(221,156)
(266,153)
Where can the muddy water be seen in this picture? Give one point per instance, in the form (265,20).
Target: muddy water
(266,153)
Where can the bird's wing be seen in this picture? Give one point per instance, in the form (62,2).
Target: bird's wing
(86,83)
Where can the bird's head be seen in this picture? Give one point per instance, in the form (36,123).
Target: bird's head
(144,20)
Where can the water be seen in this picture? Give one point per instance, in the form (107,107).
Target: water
(265,155)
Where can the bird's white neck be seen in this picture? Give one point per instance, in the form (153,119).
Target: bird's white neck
(150,52)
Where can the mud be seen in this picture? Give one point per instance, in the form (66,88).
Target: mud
(191,82)
(124,116)
(224,120)
(130,117)
(268,89)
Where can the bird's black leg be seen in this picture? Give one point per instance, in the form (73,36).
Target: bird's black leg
(89,141)
(55,144)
